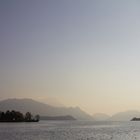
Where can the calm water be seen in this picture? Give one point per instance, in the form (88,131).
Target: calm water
(70,130)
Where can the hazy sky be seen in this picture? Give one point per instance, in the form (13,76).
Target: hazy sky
(81,52)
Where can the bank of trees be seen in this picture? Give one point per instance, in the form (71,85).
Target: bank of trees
(16,116)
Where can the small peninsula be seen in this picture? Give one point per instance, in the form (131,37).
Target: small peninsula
(58,118)
(16,116)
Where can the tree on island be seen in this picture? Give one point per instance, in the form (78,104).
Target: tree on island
(16,116)
(37,117)
(28,116)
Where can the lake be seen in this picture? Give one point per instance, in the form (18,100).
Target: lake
(70,130)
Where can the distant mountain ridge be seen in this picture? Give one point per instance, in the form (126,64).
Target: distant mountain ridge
(125,116)
(42,109)
(121,116)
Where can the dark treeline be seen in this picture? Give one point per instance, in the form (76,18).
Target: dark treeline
(16,116)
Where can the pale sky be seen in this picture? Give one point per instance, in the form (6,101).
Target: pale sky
(82,53)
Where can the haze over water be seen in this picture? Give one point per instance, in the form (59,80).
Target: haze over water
(75,53)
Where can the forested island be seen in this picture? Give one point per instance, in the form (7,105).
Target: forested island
(16,116)
(135,119)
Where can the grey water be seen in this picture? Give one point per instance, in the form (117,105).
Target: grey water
(70,130)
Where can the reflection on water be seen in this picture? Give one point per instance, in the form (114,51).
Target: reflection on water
(70,130)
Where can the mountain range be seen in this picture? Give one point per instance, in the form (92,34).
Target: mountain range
(35,107)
